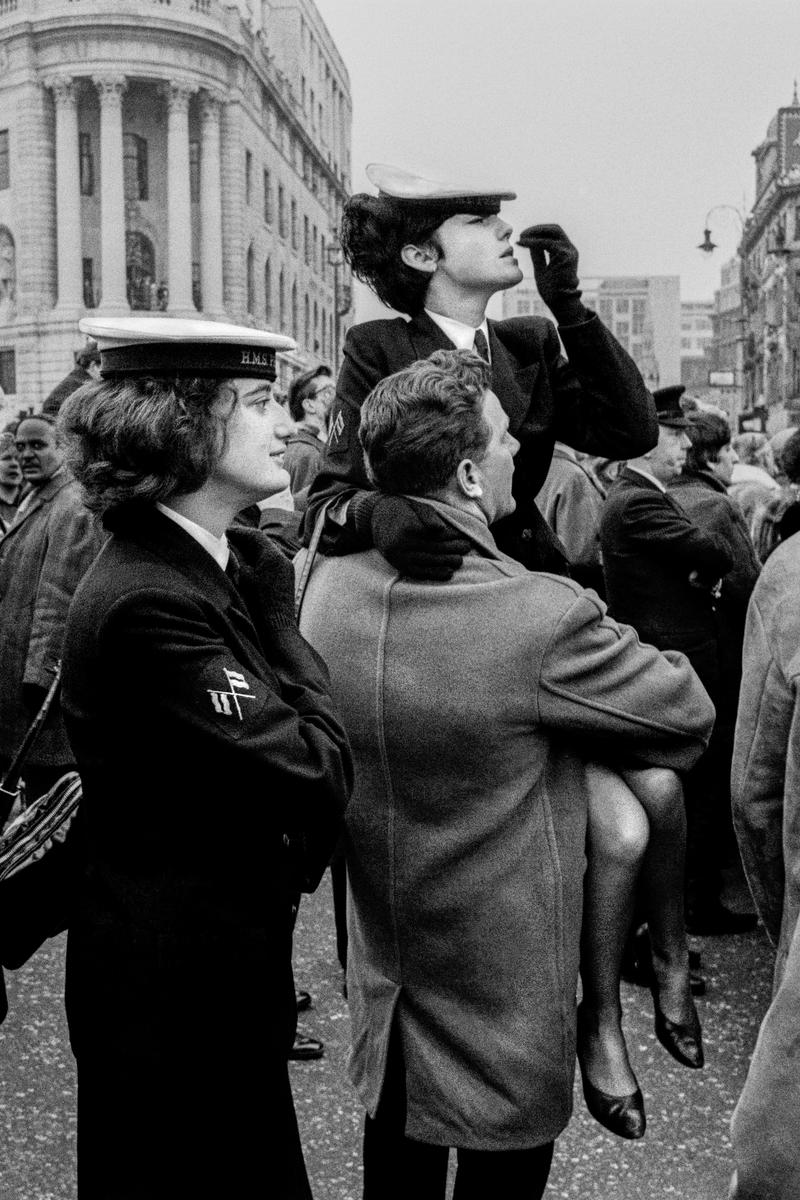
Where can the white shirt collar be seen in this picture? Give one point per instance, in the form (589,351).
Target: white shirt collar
(647,475)
(218,548)
(462,336)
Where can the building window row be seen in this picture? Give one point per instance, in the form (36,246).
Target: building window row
(315,334)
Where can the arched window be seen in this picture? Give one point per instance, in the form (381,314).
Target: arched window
(140,264)
(295,313)
(282,302)
(268,292)
(135,167)
(251,282)
(8,266)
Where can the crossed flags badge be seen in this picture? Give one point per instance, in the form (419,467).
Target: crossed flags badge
(227,702)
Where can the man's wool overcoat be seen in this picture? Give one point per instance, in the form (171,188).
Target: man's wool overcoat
(650,551)
(471,706)
(47,550)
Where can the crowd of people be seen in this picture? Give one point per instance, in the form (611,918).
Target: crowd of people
(528,689)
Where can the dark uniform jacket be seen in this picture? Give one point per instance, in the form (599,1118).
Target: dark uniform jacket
(706,501)
(215,774)
(650,550)
(596,402)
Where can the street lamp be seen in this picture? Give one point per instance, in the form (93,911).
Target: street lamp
(341,293)
(707,246)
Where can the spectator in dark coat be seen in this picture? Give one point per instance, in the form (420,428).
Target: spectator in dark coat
(662,574)
(86,370)
(214,770)
(43,556)
(310,398)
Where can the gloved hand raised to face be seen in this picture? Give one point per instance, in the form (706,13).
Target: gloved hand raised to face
(415,539)
(555,268)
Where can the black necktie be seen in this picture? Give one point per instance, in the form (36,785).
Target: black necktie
(480,347)
(232,569)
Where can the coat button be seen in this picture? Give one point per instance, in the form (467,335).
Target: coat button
(527,535)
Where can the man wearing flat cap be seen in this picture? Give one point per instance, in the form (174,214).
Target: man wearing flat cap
(437,253)
(662,575)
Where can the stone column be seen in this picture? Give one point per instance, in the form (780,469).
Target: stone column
(179,208)
(68,193)
(211,205)
(114,299)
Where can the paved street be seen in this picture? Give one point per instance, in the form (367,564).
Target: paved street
(685,1154)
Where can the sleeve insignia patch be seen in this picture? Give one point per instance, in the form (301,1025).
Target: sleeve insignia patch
(227,702)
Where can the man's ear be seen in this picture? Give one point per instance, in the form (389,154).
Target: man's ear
(469,480)
(421,258)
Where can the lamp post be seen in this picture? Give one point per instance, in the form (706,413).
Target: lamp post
(341,293)
(707,246)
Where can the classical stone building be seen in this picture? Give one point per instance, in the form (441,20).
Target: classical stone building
(187,156)
(770,275)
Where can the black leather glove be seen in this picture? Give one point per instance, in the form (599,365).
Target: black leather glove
(415,539)
(555,268)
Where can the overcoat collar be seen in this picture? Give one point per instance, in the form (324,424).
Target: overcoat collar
(43,495)
(705,478)
(147,527)
(471,525)
(512,382)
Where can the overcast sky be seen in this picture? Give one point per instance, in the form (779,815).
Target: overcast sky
(623,120)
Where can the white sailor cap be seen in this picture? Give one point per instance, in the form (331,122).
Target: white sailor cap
(411,190)
(136,346)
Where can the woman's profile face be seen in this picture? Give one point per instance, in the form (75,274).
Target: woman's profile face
(250,465)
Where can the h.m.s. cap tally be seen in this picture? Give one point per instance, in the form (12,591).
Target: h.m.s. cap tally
(411,191)
(137,346)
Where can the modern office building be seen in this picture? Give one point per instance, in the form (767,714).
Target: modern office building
(643,312)
(184,156)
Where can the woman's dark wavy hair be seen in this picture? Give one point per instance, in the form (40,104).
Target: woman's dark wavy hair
(374,231)
(142,440)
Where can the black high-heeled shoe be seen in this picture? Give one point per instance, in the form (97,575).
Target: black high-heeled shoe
(621,1115)
(683,1040)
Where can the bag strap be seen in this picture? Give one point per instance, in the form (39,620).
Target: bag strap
(11,778)
(311,554)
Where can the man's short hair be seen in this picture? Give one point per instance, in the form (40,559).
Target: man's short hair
(300,389)
(419,424)
(708,432)
(144,439)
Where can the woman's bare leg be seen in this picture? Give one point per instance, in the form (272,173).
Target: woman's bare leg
(616,843)
(662,886)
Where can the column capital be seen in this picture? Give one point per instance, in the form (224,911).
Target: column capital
(110,88)
(178,95)
(211,103)
(64,88)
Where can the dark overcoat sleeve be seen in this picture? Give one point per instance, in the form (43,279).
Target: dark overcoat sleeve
(660,529)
